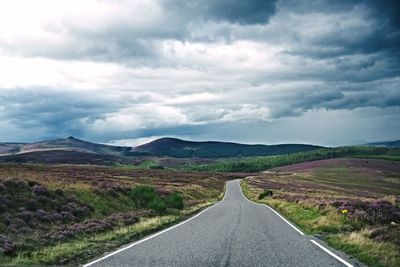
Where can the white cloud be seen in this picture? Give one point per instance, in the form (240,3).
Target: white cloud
(141,116)
(133,142)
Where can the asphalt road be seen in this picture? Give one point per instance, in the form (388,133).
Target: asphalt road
(234,232)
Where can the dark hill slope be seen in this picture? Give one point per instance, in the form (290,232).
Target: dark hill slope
(181,149)
(69,144)
(390,144)
(65,157)
(9,148)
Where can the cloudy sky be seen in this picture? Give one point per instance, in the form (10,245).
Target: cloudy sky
(255,71)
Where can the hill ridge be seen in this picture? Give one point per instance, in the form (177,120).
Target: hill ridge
(180,148)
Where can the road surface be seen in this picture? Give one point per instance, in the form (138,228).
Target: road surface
(234,232)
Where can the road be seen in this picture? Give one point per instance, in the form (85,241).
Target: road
(234,232)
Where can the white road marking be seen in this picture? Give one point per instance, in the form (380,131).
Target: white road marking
(280,216)
(331,253)
(147,238)
(294,227)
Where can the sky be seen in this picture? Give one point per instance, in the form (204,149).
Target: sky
(256,71)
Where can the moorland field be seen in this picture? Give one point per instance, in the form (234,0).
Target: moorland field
(67,201)
(352,204)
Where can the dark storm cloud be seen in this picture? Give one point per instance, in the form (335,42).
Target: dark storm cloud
(234,11)
(58,112)
(381,35)
(125,39)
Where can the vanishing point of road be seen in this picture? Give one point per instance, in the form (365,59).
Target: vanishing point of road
(234,232)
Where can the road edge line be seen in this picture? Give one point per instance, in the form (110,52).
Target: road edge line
(147,238)
(331,253)
(277,213)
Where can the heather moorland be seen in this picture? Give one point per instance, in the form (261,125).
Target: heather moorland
(352,204)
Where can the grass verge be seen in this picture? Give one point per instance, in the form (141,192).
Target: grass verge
(87,247)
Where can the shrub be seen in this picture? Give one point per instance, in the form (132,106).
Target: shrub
(158,205)
(10,184)
(175,200)
(67,216)
(6,246)
(376,212)
(4,203)
(265,193)
(55,217)
(43,200)
(59,192)
(157,167)
(42,215)
(32,183)
(25,215)
(147,197)
(142,195)
(32,205)
(40,190)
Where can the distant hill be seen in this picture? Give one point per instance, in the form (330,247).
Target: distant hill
(390,144)
(9,148)
(211,149)
(64,157)
(67,144)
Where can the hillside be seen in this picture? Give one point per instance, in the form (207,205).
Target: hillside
(211,149)
(59,156)
(66,144)
(264,163)
(391,144)
(9,148)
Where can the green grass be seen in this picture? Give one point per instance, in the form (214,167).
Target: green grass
(104,204)
(308,217)
(370,252)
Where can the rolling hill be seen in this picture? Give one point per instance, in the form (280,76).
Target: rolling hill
(390,144)
(59,156)
(9,148)
(64,144)
(211,149)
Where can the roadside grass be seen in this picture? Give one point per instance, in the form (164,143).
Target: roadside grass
(372,253)
(308,217)
(337,229)
(104,204)
(86,247)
